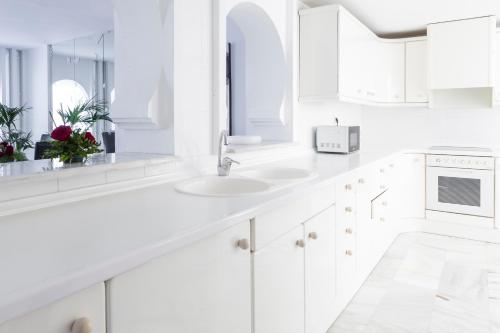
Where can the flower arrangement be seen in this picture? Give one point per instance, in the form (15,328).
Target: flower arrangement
(13,142)
(73,141)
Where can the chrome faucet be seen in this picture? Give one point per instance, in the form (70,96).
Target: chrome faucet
(224,165)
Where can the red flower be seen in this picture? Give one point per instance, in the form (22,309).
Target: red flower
(90,137)
(9,150)
(61,133)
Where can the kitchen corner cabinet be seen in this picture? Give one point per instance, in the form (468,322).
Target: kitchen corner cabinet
(340,58)
(73,314)
(205,287)
(416,72)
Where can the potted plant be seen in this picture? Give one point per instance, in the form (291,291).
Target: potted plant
(73,141)
(13,142)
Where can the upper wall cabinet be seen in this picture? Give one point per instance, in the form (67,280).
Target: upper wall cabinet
(416,72)
(461,62)
(340,58)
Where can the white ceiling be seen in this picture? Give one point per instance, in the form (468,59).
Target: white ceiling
(30,23)
(410,17)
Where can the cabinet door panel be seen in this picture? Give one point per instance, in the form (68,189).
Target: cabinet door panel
(59,316)
(410,190)
(279,285)
(320,271)
(205,287)
(390,73)
(416,72)
(354,62)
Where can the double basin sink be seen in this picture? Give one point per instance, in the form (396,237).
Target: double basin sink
(244,183)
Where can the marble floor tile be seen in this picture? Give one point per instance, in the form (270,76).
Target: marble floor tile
(427,283)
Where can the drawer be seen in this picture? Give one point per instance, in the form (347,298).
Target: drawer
(270,226)
(59,316)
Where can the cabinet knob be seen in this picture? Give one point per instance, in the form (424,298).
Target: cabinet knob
(348,253)
(243,244)
(385,204)
(348,187)
(382,170)
(348,209)
(301,243)
(382,187)
(416,160)
(348,231)
(391,165)
(361,181)
(81,325)
(382,219)
(313,236)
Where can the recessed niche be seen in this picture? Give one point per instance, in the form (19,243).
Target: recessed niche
(256,73)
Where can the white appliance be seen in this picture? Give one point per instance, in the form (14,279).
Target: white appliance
(461,181)
(338,139)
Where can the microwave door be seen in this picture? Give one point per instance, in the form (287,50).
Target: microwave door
(461,191)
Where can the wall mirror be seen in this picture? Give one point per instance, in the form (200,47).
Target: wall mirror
(54,53)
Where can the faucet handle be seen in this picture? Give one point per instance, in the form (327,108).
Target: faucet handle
(229,161)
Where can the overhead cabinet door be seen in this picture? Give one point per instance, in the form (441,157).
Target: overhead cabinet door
(416,72)
(461,53)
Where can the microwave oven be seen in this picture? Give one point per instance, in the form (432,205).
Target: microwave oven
(338,139)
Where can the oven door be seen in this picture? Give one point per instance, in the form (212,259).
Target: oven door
(462,191)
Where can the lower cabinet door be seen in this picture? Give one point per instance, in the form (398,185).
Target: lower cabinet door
(85,309)
(279,285)
(320,272)
(204,287)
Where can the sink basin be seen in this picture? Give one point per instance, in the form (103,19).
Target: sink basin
(279,174)
(214,186)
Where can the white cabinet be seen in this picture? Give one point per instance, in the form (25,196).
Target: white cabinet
(416,72)
(356,48)
(86,308)
(389,72)
(461,62)
(205,287)
(340,58)
(320,272)
(279,285)
(411,186)
(461,53)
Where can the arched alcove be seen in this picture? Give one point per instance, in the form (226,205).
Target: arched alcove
(258,71)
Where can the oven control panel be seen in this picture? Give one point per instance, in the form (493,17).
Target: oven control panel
(461,162)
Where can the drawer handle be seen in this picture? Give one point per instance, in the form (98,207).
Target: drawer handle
(385,204)
(361,181)
(81,325)
(382,171)
(382,219)
(243,244)
(391,165)
(348,231)
(348,210)
(301,243)
(313,235)
(348,253)
(382,187)
(348,187)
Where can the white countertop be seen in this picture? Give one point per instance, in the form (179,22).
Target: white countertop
(51,253)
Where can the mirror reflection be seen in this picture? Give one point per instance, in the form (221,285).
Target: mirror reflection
(55,55)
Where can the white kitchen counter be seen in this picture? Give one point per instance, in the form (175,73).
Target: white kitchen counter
(51,253)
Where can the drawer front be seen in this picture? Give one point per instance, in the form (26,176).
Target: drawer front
(270,226)
(59,316)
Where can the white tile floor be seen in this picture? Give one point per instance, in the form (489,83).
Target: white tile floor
(429,283)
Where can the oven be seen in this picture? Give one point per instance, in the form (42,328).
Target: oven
(461,185)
